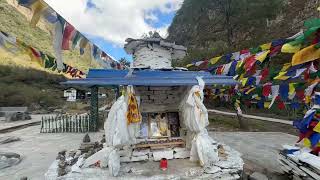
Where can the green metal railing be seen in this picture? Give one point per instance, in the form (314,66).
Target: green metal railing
(67,124)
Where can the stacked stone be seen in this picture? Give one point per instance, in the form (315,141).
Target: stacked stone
(130,155)
(159,95)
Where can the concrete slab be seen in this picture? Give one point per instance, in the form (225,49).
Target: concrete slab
(259,147)
(38,151)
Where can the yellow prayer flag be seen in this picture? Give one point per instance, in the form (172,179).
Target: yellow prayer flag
(262,56)
(306,142)
(288,48)
(241,77)
(307,54)
(257,98)
(239,64)
(250,90)
(215,60)
(281,76)
(266,46)
(189,65)
(286,66)
(38,7)
(266,105)
(292,88)
(307,99)
(244,81)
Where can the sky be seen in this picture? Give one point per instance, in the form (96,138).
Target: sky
(107,23)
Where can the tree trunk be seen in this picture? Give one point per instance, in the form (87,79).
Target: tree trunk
(243,123)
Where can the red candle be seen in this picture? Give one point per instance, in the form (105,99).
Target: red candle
(164,164)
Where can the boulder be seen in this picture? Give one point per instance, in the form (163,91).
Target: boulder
(86,138)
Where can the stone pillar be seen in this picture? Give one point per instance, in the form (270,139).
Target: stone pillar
(94,108)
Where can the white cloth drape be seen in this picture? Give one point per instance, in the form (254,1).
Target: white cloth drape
(195,117)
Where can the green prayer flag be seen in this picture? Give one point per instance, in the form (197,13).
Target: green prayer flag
(312,23)
(255,50)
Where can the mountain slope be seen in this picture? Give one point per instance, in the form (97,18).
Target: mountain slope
(22,81)
(209,28)
(15,23)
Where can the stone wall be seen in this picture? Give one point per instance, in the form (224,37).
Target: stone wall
(160,99)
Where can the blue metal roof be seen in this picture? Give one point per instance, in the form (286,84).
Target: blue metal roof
(108,77)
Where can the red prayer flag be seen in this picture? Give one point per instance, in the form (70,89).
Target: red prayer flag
(244,51)
(300,94)
(264,73)
(67,34)
(305,135)
(275,50)
(266,89)
(306,74)
(281,105)
(249,62)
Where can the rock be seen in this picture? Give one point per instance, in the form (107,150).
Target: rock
(101,155)
(258,176)
(62,168)
(10,155)
(179,149)
(140,152)
(78,154)
(8,159)
(158,155)
(139,158)
(86,138)
(63,152)
(24,178)
(125,159)
(181,155)
(85,147)
(8,162)
(9,139)
(212,170)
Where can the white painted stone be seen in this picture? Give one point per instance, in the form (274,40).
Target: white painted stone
(181,155)
(139,158)
(158,155)
(179,149)
(140,152)
(125,159)
(212,170)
